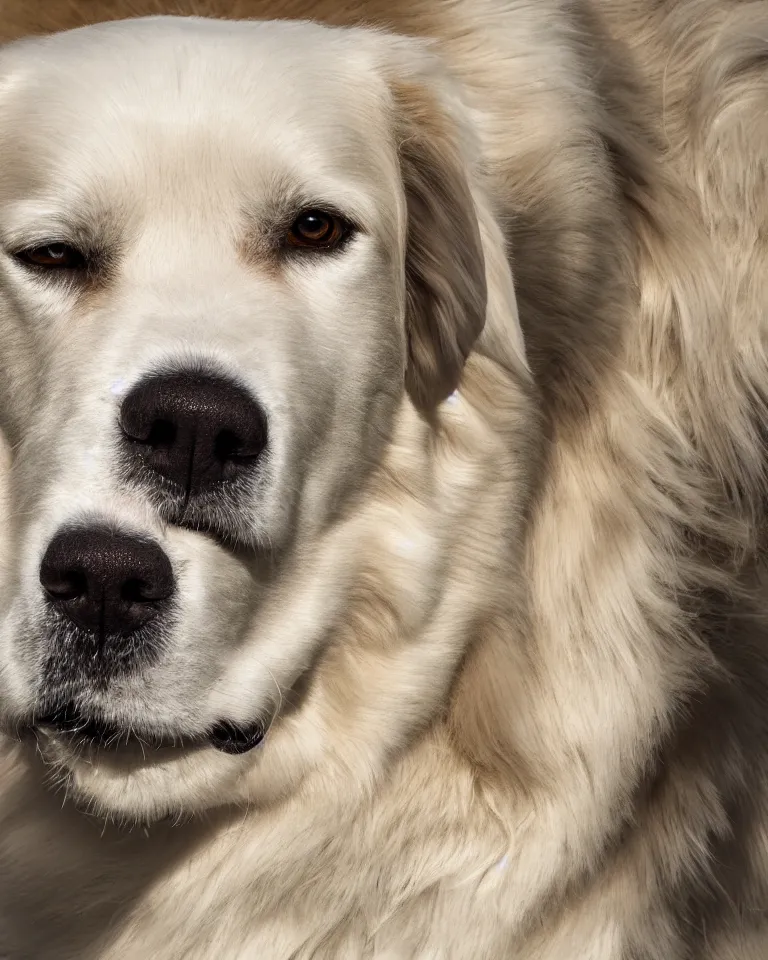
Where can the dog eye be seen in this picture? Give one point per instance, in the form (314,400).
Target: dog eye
(53,256)
(318,230)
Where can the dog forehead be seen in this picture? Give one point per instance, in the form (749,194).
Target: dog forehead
(279,88)
(149,52)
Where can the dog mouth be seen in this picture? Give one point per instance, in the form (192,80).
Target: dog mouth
(71,722)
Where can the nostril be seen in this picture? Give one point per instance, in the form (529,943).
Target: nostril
(162,434)
(63,585)
(136,590)
(155,433)
(229,446)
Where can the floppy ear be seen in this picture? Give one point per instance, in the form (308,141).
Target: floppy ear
(445,268)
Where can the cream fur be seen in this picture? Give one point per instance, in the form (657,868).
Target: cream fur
(517,639)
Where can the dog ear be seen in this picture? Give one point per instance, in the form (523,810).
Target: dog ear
(444,265)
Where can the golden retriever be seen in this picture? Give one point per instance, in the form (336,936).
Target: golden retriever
(383,389)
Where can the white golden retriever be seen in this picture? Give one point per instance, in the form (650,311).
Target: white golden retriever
(349,629)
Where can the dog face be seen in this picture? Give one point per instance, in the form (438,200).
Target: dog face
(229,276)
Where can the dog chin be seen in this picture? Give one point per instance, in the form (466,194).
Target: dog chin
(132,784)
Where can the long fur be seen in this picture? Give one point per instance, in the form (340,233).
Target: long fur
(595,783)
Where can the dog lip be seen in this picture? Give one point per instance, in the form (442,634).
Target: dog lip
(67,718)
(234,738)
(73,722)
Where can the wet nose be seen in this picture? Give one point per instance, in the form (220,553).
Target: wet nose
(195,430)
(106,582)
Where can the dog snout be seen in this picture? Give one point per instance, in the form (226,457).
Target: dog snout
(108,583)
(195,430)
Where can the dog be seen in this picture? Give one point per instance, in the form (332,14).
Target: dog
(382,400)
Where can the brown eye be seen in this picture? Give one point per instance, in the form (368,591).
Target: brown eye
(318,230)
(53,256)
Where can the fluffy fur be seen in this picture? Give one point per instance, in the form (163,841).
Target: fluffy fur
(516,633)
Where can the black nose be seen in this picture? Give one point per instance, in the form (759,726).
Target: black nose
(194,429)
(107,582)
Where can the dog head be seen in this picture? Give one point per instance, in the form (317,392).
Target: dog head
(242,267)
